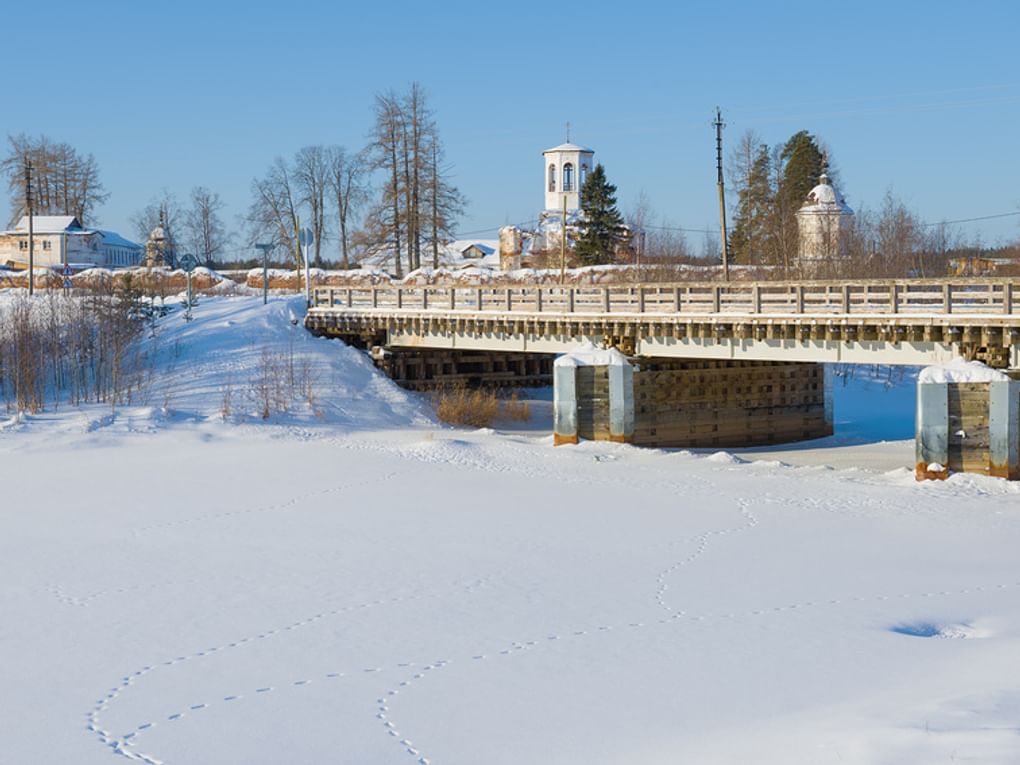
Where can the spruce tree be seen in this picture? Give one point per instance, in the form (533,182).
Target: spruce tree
(602,227)
(754,197)
(802,166)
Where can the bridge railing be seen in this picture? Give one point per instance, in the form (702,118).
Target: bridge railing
(904,297)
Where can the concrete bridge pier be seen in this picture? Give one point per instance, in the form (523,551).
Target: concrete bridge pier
(593,395)
(604,396)
(968,421)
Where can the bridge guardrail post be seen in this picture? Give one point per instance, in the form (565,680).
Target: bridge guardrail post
(947,298)
(606,302)
(641,299)
(894,298)
(400,297)
(846,298)
(756,299)
(538,300)
(678,298)
(332,297)
(570,297)
(799,297)
(478,297)
(350,298)
(375,297)
(716,298)
(1007,298)
(453,298)
(424,298)
(509,300)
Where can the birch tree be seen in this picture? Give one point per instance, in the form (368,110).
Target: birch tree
(347,181)
(204,232)
(311,177)
(273,213)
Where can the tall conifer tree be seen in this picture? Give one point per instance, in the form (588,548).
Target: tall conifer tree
(602,228)
(754,197)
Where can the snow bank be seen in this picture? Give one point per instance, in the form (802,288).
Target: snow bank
(960,371)
(590,355)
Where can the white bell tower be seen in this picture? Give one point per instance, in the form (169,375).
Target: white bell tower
(564,170)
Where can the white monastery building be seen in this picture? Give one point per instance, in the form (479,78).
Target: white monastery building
(60,239)
(823,223)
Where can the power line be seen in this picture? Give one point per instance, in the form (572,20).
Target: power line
(972,220)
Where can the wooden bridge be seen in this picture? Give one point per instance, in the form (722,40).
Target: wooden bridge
(910,321)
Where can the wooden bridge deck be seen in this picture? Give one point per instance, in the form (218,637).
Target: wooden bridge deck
(914,321)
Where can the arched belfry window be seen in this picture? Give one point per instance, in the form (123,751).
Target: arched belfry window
(568,177)
(552,177)
(584,175)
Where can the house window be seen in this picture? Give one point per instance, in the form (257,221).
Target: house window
(568,177)
(22,245)
(552,177)
(47,244)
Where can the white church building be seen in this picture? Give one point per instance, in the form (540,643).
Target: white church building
(564,169)
(823,224)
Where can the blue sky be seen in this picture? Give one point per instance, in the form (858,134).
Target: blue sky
(919,98)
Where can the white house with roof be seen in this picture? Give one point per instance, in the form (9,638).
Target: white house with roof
(60,239)
(823,223)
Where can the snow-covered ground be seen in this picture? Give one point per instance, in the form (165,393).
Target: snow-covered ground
(349,581)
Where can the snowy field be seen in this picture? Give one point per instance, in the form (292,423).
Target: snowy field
(351,582)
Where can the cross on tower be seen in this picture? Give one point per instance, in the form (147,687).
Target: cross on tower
(568,132)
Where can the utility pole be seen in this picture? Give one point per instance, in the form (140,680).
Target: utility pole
(31,230)
(719,125)
(563,241)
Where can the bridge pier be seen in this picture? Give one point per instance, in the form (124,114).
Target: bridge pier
(601,395)
(968,425)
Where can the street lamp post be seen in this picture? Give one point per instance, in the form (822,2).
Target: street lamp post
(265,249)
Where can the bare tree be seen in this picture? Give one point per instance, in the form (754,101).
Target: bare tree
(311,178)
(445,202)
(145,220)
(204,231)
(64,182)
(417,193)
(385,217)
(347,180)
(273,213)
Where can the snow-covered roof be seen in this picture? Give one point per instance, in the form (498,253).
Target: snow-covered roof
(482,248)
(114,239)
(48,224)
(825,198)
(569,147)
